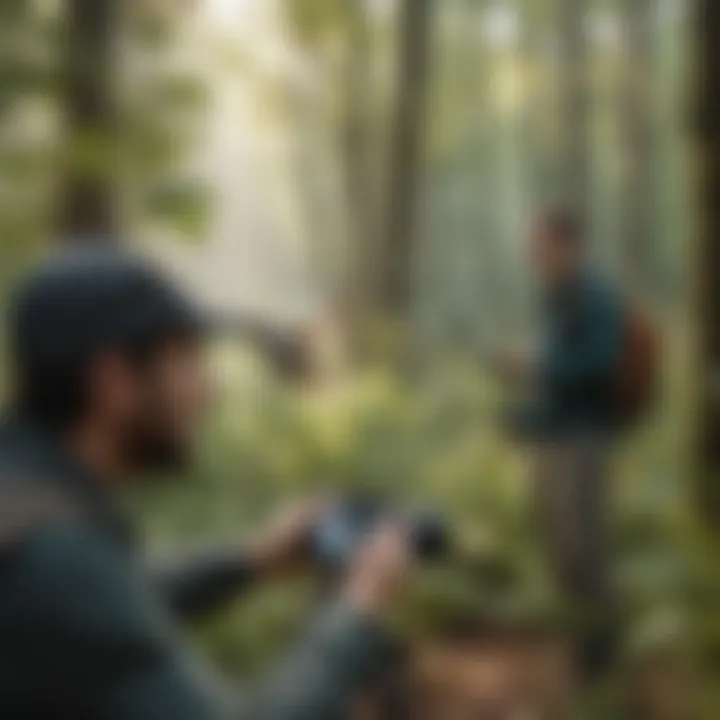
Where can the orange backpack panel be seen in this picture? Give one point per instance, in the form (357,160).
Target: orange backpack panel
(638,376)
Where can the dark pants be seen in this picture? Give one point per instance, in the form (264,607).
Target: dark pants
(571,489)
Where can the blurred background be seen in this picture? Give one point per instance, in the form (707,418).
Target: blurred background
(353,179)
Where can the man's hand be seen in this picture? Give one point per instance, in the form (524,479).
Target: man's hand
(379,571)
(284,545)
(512,367)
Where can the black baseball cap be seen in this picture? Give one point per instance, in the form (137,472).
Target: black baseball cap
(84,300)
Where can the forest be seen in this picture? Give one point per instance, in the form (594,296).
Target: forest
(354,180)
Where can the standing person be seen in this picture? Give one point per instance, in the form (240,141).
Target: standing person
(110,384)
(569,416)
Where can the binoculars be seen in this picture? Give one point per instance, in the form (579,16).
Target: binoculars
(350,520)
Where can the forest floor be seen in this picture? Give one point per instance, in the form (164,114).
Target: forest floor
(516,678)
(505,679)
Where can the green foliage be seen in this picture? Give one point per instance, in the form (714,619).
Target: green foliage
(183,205)
(27,82)
(434,443)
(314,19)
(161,109)
(158,110)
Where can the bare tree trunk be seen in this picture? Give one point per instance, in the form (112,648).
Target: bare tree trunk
(640,142)
(361,188)
(533,50)
(87,188)
(574,104)
(708,269)
(405,154)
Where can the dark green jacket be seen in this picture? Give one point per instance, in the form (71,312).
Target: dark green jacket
(581,344)
(86,631)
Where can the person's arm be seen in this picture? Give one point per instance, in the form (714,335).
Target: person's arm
(348,651)
(206,583)
(203,584)
(94,638)
(344,655)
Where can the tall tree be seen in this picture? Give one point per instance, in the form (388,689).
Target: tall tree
(349,116)
(87,186)
(640,141)
(707,31)
(415,24)
(126,129)
(359,155)
(574,106)
(28,46)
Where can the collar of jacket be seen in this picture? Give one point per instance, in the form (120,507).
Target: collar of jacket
(38,454)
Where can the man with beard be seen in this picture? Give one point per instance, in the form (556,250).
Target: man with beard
(110,385)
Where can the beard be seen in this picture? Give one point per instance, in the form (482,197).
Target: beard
(152,451)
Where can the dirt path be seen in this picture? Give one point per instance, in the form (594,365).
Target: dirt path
(519,679)
(500,680)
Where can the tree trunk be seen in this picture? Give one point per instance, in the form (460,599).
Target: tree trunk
(640,143)
(360,183)
(708,268)
(405,155)
(573,125)
(87,189)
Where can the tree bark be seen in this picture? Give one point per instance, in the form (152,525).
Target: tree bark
(87,189)
(359,156)
(405,155)
(707,33)
(640,143)
(574,105)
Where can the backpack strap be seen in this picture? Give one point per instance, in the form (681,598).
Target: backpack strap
(26,507)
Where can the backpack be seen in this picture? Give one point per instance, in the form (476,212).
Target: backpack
(639,369)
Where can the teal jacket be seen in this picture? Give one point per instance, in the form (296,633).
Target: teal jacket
(87,631)
(581,345)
